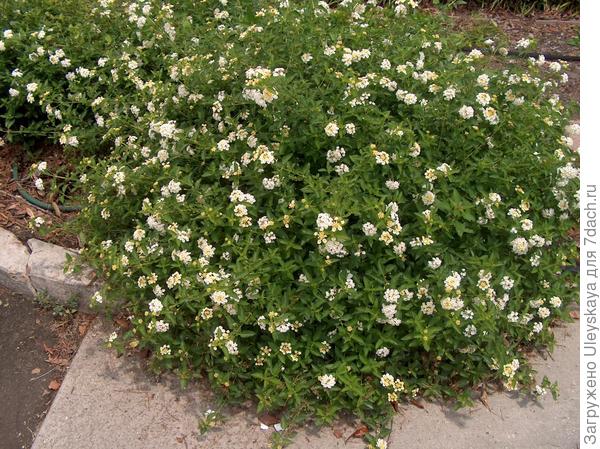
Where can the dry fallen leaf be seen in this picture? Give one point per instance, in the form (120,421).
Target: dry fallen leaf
(360,432)
(83,327)
(56,209)
(484,398)
(418,403)
(30,213)
(574,314)
(36,371)
(56,360)
(268,419)
(54,385)
(338,433)
(123,323)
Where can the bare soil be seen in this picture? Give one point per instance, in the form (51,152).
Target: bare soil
(36,348)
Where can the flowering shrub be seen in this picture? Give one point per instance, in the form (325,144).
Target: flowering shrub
(324,208)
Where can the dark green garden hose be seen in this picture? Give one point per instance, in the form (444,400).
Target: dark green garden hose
(38,203)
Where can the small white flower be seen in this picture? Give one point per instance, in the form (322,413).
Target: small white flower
(466,112)
(513,317)
(219,297)
(112,337)
(391,295)
(381,157)
(369,229)
(138,234)
(387,380)
(523,43)
(483,99)
(449,94)
(329,50)
(327,381)
(334,156)
(507,283)
(382,352)
(543,312)
(491,115)
(381,444)
(155,306)
(332,129)
(526,225)
(232,347)
(428,198)
(452,282)
(165,350)
(470,331)
(161,326)
(428,308)
(223,145)
(435,263)
(520,246)
(270,237)
(410,99)
(483,80)
(324,221)
(392,185)
(555,66)
(97,298)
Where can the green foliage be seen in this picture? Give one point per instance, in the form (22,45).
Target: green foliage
(326,210)
(575,41)
(57,308)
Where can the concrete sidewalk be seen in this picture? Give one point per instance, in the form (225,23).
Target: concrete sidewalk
(106,402)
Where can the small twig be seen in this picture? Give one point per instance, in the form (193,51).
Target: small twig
(573,21)
(32,434)
(39,377)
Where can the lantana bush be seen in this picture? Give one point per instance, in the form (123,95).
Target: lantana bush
(325,207)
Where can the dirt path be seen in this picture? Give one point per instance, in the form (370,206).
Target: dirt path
(24,373)
(35,350)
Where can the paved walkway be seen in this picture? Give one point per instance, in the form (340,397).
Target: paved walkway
(110,402)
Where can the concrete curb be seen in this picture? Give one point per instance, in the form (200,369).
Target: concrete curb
(41,268)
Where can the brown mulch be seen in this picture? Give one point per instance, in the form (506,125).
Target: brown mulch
(15,212)
(69,330)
